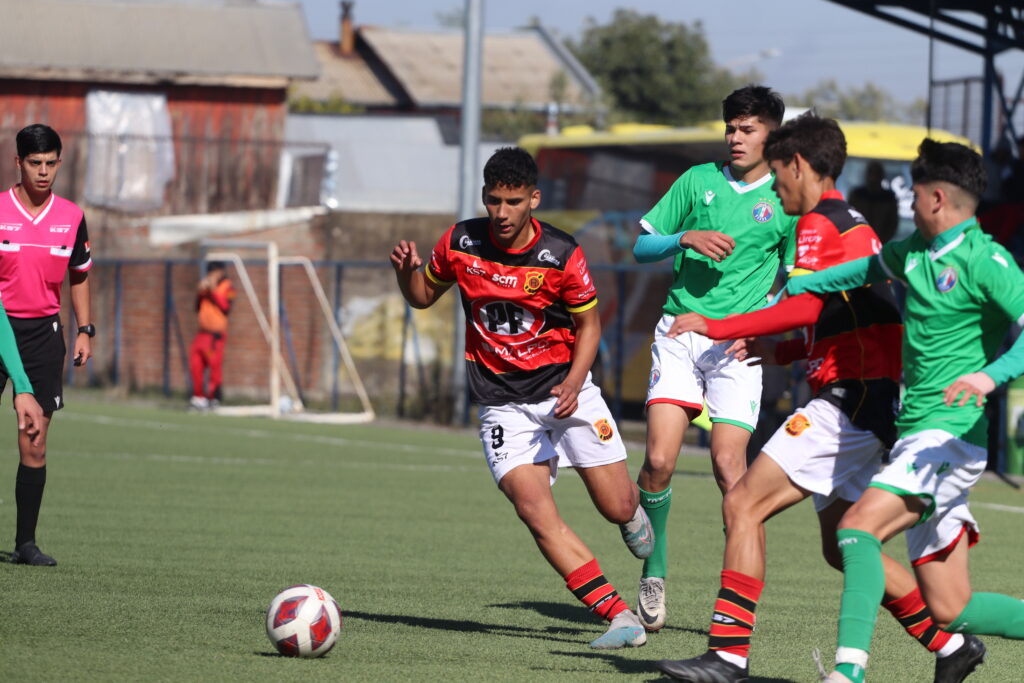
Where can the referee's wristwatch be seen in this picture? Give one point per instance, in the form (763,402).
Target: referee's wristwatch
(89,330)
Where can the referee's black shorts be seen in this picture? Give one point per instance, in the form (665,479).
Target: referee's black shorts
(42,349)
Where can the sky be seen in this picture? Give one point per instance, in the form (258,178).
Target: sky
(793,43)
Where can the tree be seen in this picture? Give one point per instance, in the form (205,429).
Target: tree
(866,103)
(655,71)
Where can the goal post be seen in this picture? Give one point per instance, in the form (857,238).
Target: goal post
(280,380)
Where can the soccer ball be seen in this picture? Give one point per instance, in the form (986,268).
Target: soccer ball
(303,621)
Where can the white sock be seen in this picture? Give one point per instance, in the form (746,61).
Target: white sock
(956,641)
(634,525)
(732,659)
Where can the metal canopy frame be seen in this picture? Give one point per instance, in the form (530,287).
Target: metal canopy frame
(984,27)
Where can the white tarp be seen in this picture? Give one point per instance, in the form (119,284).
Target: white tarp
(131,153)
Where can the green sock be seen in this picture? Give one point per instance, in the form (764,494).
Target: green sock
(863,588)
(657,506)
(991,614)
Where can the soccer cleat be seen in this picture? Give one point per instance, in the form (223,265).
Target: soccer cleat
(708,668)
(651,603)
(959,665)
(624,631)
(836,677)
(199,403)
(29,553)
(639,535)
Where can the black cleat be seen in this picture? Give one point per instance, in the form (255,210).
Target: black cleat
(708,668)
(29,553)
(959,665)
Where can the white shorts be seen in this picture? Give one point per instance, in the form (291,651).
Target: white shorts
(691,368)
(821,451)
(940,469)
(517,434)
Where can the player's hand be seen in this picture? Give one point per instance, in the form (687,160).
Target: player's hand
(568,398)
(30,417)
(687,322)
(974,384)
(83,349)
(404,258)
(711,243)
(754,350)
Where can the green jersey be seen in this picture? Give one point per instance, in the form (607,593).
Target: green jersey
(963,291)
(707,197)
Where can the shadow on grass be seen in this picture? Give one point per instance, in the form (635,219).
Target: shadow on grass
(467,626)
(6,557)
(630,664)
(576,613)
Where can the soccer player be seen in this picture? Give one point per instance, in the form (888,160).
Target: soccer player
(963,291)
(213,303)
(722,225)
(532,332)
(44,237)
(830,448)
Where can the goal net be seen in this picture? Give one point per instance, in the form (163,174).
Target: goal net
(285,398)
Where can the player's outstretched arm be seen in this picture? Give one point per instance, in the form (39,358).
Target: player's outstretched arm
(977,385)
(417,288)
(588,337)
(792,313)
(847,275)
(30,414)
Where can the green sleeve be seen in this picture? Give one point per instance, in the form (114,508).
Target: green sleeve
(10,357)
(1003,284)
(837,278)
(667,216)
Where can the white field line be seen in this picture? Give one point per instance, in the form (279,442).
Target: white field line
(220,460)
(220,428)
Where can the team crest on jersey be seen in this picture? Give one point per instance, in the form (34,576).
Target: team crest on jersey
(709,196)
(763,212)
(655,376)
(946,280)
(534,281)
(797,424)
(604,429)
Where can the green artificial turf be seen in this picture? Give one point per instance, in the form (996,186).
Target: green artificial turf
(173,531)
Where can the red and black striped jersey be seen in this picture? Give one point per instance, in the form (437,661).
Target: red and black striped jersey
(858,334)
(520,335)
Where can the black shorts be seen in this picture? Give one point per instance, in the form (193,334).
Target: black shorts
(42,349)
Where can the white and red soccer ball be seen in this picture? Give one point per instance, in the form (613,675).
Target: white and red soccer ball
(303,621)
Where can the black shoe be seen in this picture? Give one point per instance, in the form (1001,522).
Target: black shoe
(708,668)
(29,553)
(959,665)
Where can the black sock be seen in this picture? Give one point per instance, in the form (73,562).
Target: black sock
(28,495)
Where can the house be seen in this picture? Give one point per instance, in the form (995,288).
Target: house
(163,106)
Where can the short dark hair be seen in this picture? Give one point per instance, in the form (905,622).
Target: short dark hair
(215,265)
(37,139)
(818,140)
(512,167)
(754,100)
(952,163)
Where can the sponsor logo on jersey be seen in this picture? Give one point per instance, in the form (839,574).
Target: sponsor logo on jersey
(10,227)
(604,429)
(763,212)
(911,264)
(475,269)
(709,196)
(722,619)
(797,424)
(946,280)
(546,255)
(857,216)
(510,281)
(465,242)
(60,228)
(534,281)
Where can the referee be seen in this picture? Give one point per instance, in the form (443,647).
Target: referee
(42,236)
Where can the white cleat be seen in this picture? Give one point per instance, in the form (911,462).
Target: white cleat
(651,603)
(624,631)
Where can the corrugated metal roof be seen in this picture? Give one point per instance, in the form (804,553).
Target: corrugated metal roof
(347,77)
(518,67)
(215,41)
